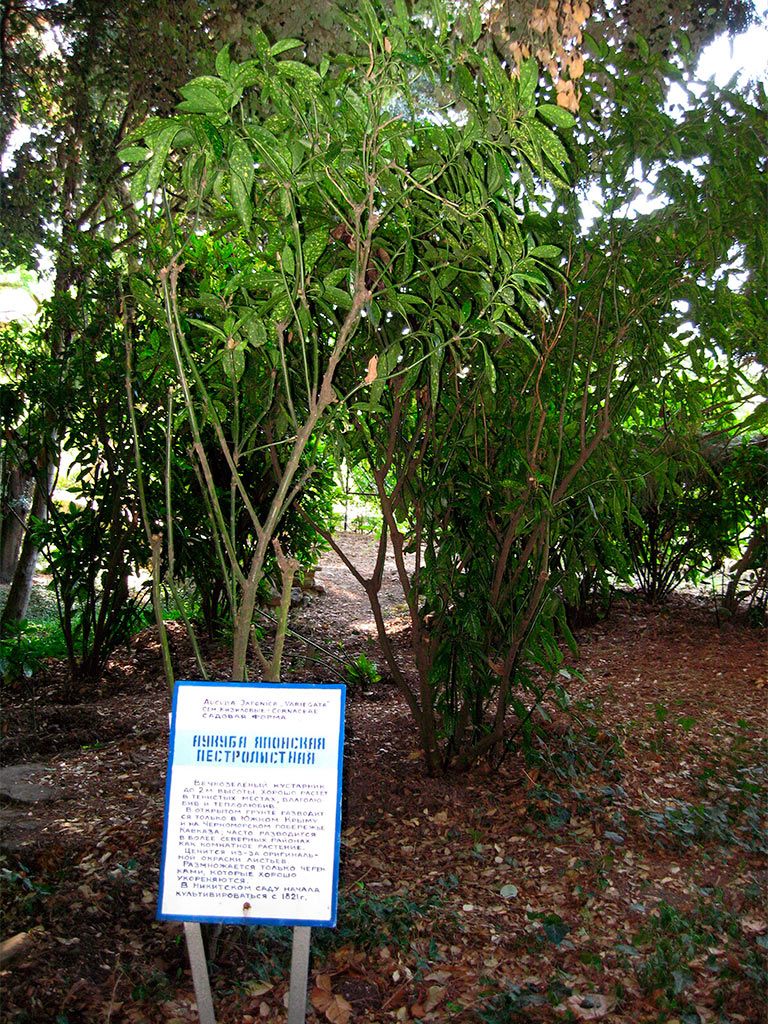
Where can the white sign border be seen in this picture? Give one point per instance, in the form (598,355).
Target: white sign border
(286,689)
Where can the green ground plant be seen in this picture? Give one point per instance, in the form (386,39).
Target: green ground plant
(22,888)
(363,674)
(25,645)
(737,821)
(677,938)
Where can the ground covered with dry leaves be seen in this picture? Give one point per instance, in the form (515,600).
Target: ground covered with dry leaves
(616,874)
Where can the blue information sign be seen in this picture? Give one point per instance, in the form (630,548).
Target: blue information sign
(253,804)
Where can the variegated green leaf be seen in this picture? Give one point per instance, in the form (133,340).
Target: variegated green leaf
(241,201)
(160,152)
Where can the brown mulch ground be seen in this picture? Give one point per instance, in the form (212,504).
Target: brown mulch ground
(617,873)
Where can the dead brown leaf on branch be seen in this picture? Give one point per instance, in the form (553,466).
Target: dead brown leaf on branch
(553,34)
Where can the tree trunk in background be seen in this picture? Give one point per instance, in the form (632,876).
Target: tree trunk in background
(21,586)
(12,519)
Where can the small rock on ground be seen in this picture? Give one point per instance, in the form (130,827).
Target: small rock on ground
(22,783)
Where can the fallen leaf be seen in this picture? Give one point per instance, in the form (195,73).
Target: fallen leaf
(335,1008)
(257,988)
(753,926)
(705,1015)
(435,996)
(339,1010)
(321,994)
(441,976)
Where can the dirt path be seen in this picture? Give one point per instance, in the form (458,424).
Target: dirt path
(345,600)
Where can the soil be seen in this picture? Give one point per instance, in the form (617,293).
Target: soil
(615,870)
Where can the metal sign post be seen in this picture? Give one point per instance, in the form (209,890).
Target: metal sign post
(199,965)
(297,993)
(253,816)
